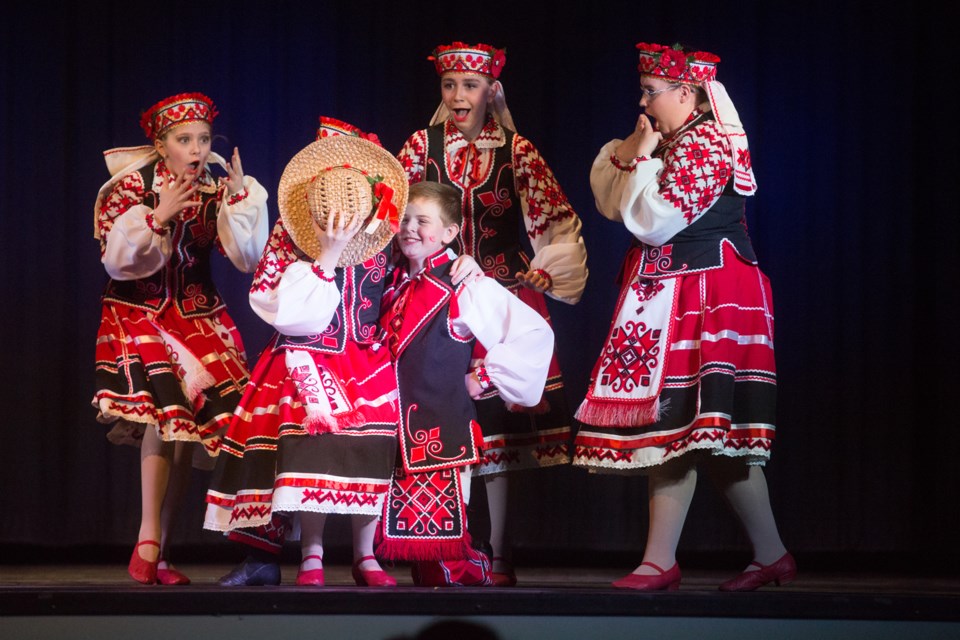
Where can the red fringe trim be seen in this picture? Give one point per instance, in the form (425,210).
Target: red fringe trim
(619,414)
(424,550)
(315,425)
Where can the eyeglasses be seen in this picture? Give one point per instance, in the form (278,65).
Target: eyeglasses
(650,94)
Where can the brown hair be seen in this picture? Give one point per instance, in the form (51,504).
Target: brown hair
(446,198)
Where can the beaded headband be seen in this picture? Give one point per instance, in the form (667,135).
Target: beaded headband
(459,57)
(177,110)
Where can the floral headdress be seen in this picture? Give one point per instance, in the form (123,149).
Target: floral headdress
(177,110)
(459,57)
(676,65)
(333,127)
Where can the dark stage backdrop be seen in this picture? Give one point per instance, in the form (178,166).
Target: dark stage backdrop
(854,142)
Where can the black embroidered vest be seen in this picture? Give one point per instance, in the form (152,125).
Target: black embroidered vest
(356,319)
(437,414)
(492,215)
(699,246)
(185,280)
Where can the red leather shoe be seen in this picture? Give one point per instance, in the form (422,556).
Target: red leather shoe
(504,578)
(780,573)
(668,580)
(371,578)
(143,571)
(310,577)
(170,576)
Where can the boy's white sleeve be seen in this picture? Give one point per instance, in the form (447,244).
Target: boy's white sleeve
(519,342)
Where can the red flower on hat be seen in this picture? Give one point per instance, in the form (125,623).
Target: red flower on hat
(673,63)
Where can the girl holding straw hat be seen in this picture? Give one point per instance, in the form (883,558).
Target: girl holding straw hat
(686,378)
(170,362)
(315,433)
(473,146)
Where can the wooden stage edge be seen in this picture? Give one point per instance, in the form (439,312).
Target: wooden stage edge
(105,590)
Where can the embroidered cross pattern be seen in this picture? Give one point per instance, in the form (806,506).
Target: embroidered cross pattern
(321,495)
(426,504)
(248,513)
(699,167)
(629,357)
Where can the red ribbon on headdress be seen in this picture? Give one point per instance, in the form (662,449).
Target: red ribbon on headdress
(386,209)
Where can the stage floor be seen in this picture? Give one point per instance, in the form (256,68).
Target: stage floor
(79,601)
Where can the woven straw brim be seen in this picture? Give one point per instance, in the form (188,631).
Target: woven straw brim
(336,151)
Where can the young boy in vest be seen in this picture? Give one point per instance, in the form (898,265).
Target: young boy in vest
(432,326)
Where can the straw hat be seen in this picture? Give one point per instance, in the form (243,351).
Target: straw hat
(346,175)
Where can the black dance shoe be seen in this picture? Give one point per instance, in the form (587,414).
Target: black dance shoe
(252,573)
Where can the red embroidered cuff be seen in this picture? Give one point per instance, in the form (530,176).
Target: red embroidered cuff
(237,197)
(153,226)
(320,273)
(482,377)
(545,276)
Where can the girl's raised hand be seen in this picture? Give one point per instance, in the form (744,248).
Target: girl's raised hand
(334,239)
(234,177)
(176,196)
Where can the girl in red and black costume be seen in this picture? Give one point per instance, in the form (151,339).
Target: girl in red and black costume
(170,363)
(315,432)
(686,378)
(473,146)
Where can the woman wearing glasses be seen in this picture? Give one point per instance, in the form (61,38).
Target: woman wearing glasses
(686,378)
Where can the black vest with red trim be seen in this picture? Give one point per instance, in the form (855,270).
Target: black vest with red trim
(355,320)
(492,215)
(699,247)
(185,280)
(438,426)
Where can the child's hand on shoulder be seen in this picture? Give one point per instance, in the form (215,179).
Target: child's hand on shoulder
(465,269)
